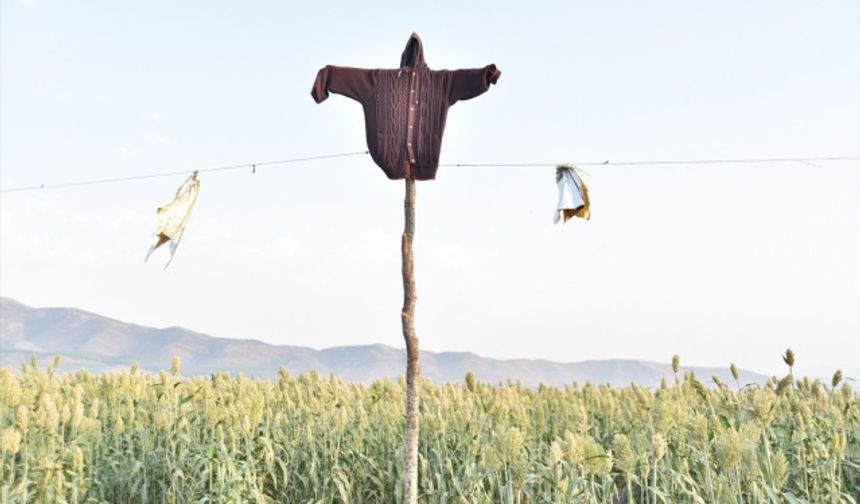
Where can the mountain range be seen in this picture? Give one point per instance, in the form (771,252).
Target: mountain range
(89,341)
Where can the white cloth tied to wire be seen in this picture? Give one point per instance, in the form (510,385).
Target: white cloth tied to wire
(572,194)
(173,217)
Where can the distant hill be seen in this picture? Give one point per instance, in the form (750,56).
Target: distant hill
(89,341)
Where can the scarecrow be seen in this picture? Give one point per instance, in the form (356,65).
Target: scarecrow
(405,109)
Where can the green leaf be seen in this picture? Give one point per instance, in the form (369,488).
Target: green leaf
(792,499)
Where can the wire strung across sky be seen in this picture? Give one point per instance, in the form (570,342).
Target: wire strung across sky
(253,167)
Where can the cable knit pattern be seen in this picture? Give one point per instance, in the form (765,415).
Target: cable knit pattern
(387,96)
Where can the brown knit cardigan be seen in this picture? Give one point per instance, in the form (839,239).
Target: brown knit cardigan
(405,108)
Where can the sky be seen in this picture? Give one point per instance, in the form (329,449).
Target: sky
(716,263)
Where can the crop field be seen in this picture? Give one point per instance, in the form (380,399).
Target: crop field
(134,437)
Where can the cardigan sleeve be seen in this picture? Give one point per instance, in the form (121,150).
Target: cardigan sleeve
(471,82)
(355,83)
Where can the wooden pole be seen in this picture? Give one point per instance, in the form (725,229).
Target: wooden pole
(413,370)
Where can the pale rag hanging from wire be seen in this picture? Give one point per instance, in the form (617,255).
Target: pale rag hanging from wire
(173,217)
(573,198)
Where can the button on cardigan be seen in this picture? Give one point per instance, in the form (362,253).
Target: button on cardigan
(405,108)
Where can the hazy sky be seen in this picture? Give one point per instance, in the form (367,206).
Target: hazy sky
(716,263)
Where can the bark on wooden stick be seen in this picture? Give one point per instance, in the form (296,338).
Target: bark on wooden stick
(407,316)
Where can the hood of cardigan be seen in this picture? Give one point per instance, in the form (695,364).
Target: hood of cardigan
(413,53)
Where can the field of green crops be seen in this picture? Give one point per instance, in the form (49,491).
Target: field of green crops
(139,438)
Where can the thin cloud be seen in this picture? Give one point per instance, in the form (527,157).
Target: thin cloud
(6,223)
(155,138)
(151,116)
